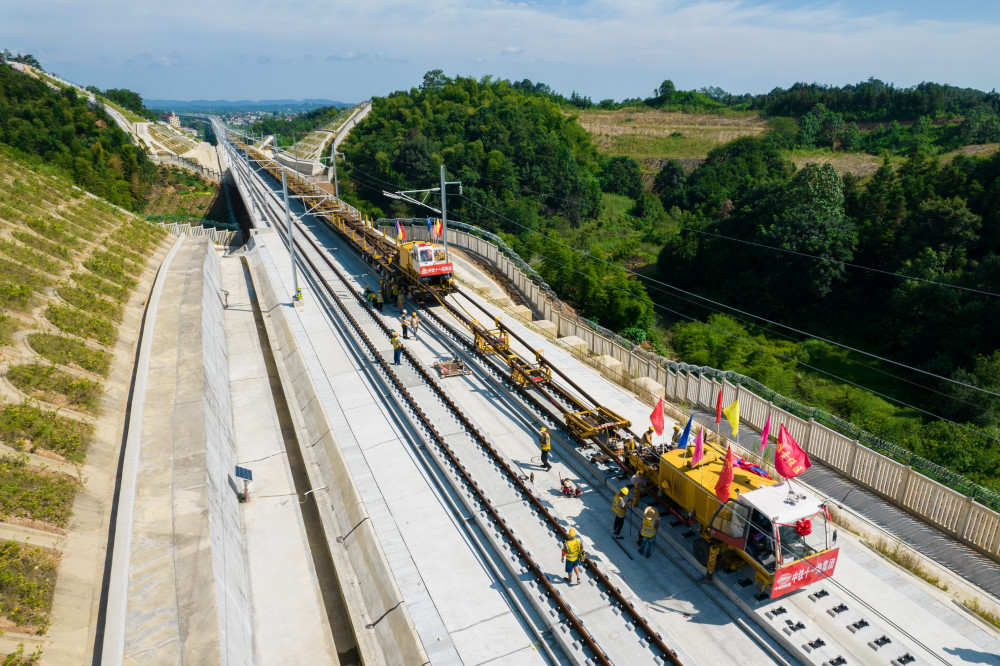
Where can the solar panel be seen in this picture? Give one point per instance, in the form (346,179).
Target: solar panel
(244,473)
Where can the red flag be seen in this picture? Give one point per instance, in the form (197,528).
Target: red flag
(765,432)
(725,483)
(656,418)
(718,408)
(789,458)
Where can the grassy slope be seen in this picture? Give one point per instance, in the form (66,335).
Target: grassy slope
(54,230)
(652,135)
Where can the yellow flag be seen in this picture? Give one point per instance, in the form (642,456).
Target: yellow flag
(732,413)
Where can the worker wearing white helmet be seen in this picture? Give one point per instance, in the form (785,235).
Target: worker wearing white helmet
(618,506)
(545,444)
(573,556)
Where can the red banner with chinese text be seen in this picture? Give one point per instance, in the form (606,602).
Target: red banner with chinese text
(435,269)
(804,572)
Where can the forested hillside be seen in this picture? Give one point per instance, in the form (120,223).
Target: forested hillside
(526,169)
(831,256)
(305,122)
(61,130)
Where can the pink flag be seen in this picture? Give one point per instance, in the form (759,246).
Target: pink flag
(765,432)
(656,418)
(789,458)
(699,447)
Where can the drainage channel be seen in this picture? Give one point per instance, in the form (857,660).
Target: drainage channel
(326,573)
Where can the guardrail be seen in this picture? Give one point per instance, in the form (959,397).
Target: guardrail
(966,510)
(185,163)
(218,236)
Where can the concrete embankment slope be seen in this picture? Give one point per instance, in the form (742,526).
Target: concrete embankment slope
(186,597)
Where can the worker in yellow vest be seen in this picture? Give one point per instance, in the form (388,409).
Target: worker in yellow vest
(545,444)
(619,507)
(397,348)
(647,437)
(647,533)
(572,555)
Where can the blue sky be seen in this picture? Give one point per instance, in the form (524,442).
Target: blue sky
(262,49)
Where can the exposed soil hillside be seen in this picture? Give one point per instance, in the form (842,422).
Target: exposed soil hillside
(185,194)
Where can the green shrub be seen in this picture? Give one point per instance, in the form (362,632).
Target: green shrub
(15,296)
(103,287)
(30,257)
(71,320)
(85,299)
(113,246)
(110,268)
(44,429)
(21,274)
(27,586)
(47,382)
(18,658)
(54,231)
(7,327)
(70,352)
(46,246)
(26,492)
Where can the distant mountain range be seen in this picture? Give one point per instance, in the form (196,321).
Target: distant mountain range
(228,106)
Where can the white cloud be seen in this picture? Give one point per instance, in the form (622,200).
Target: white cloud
(601,48)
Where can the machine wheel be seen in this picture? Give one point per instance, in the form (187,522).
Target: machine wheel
(700,548)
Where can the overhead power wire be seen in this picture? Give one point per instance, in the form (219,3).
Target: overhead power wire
(727,333)
(842,263)
(793,360)
(734,309)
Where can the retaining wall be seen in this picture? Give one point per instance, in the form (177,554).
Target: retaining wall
(956,514)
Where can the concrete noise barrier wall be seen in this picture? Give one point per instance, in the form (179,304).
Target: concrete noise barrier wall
(380,620)
(960,516)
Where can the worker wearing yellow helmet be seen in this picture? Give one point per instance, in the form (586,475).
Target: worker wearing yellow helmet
(573,556)
(619,506)
(677,434)
(397,348)
(647,533)
(647,437)
(545,444)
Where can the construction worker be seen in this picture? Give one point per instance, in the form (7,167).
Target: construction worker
(677,434)
(545,444)
(404,321)
(368,295)
(647,437)
(571,551)
(619,506)
(638,482)
(647,533)
(379,301)
(397,348)
(414,324)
